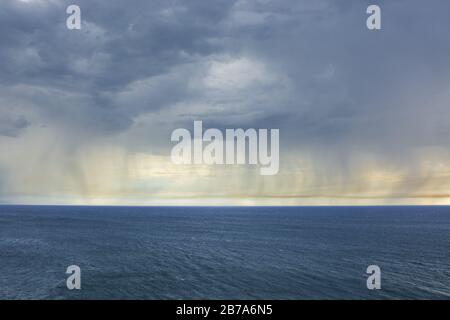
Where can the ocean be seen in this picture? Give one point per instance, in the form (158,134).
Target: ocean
(224,252)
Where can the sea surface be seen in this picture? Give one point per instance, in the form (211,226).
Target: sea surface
(224,252)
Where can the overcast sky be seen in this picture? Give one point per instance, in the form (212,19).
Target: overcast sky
(86,115)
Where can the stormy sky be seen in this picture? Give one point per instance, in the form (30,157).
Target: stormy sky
(86,115)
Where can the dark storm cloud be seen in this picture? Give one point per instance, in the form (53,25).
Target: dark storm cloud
(362,85)
(120,42)
(333,81)
(125,41)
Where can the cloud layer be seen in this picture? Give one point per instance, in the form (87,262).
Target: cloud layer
(87,114)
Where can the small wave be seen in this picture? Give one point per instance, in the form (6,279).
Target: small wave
(435,291)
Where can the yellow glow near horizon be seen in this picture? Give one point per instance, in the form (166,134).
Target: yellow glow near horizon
(113,176)
(42,171)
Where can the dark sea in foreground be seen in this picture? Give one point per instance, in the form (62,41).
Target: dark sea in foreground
(224,253)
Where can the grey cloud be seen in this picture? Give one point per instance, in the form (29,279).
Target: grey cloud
(118,45)
(139,69)
(342,84)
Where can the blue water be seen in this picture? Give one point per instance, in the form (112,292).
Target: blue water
(224,253)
